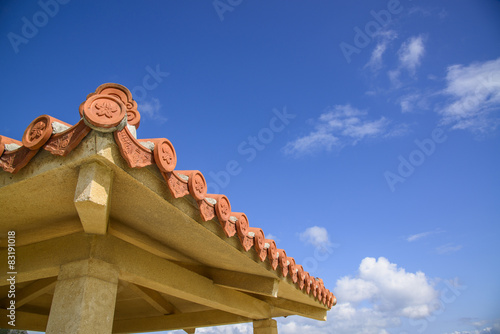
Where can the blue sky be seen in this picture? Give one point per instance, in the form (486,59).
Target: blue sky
(363,136)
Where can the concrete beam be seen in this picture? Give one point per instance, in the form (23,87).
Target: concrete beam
(145,269)
(32,291)
(178,321)
(246,282)
(291,307)
(43,259)
(153,298)
(145,242)
(92,197)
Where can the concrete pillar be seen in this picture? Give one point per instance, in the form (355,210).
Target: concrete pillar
(84,298)
(267,326)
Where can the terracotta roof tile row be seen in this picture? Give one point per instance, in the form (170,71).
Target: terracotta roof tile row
(111,109)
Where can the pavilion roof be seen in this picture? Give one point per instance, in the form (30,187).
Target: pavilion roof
(111,109)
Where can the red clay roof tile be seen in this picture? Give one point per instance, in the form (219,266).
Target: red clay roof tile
(272,253)
(64,142)
(197,185)
(283,262)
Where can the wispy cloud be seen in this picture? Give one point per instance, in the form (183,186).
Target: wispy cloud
(383,40)
(315,141)
(408,103)
(411,53)
(448,248)
(340,126)
(272,236)
(474,96)
(410,56)
(493,329)
(151,109)
(417,236)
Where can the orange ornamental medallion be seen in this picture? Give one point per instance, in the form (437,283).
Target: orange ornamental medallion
(104,111)
(38,132)
(165,156)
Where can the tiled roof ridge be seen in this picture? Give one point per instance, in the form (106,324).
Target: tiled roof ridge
(111,109)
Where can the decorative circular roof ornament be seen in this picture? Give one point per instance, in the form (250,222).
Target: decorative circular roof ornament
(38,132)
(242,225)
(223,208)
(197,186)
(104,113)
(122,93)
(165,156)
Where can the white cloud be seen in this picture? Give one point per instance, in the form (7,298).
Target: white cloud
(316,140)
(448,248)
(372,302)
(383,40)
(389,289)
(411,53)
(476,322)
(356,289)
(410,101)
(340,126)
(151,108)
(375,61)
(494,329)
(344,319)
(416,101)
(292,327)
(231,329)
(474,95)
(406,103)
(316,236)
(394,77)
(272,236)
(410,57)
(417,236)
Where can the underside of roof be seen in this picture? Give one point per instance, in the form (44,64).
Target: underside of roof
(94,192)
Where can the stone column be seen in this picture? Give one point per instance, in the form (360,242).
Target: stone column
(267,326)
(84,298)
